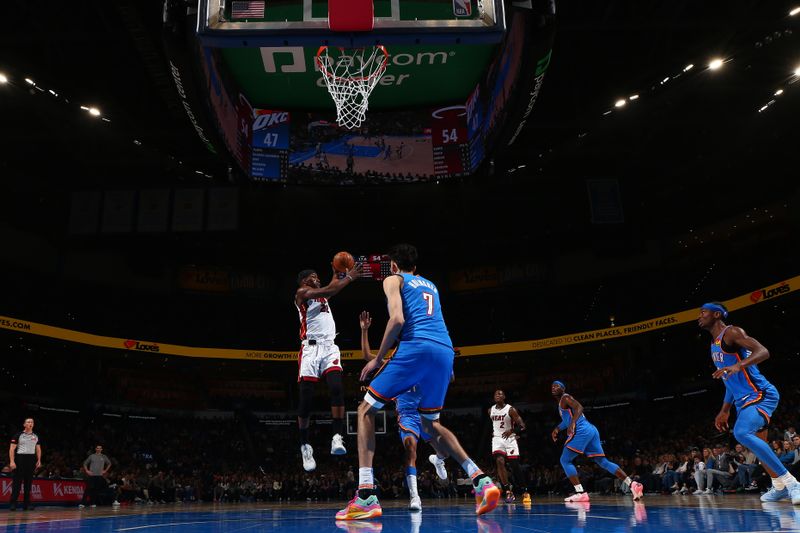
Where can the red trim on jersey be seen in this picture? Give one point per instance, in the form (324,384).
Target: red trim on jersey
(303,320)
(596,455)
(430,409)
(331,369)
(573,449)
(499,452)
(763,413)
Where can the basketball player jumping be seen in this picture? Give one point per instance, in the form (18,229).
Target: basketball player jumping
(505,420)
(424,359)
(409,426)
(583,438)
(736,357)
(319,356)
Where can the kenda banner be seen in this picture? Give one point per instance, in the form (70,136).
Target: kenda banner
(68,491)
(758,296)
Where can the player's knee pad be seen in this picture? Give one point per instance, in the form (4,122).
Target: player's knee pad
(306,395)
(334,380)
(606,465)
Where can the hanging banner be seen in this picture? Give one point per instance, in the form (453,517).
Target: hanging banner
(682,317)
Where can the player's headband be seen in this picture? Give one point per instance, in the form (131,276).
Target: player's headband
(715,307)
(560,384)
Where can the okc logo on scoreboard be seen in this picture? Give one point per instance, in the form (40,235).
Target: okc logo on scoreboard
(271,129)
(266,118)
(462,8)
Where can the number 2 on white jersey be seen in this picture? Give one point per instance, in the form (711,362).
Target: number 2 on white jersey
(429,299)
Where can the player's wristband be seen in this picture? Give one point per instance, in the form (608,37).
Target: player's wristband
(348,276)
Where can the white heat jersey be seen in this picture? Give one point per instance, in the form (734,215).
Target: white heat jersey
(501,420)
(316,320)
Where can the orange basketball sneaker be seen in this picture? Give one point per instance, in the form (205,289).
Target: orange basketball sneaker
(361,509)
(487,495)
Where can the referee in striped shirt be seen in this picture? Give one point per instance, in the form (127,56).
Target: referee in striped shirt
(25,456)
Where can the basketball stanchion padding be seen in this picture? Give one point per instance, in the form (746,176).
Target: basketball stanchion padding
(351,15)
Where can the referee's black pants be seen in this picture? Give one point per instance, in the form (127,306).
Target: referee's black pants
(26,464)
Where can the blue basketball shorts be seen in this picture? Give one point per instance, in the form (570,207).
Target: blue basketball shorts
(586,440)
(424,364)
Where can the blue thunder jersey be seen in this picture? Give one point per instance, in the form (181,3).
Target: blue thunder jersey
(422,311)
(742,388)
(566,418)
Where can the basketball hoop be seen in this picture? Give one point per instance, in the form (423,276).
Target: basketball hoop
(350,74)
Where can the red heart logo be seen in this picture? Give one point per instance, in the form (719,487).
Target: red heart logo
(130,344)
(335,361)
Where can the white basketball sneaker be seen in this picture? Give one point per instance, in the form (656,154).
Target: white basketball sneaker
(415,504)
(337,445)
(439,465)
(309,464)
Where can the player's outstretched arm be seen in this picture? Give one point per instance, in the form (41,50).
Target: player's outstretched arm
(332,288)
(365,321)
(391,287)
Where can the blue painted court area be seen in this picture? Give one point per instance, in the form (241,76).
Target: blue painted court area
(659,514)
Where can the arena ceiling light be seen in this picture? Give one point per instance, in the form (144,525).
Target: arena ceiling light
(794,11)
(633,97)
(688,67)
(94,111)
(30,81)
(779,92)
(715,64)
(797,72)
(3,78)
(619,103)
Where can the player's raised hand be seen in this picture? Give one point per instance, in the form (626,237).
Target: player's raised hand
(355,272)
(364,320)
(721,421)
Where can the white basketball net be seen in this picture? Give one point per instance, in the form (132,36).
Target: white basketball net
(350,75)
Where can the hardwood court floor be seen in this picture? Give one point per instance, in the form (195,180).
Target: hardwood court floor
(732,513)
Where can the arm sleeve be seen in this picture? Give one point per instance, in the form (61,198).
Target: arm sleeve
(15,439)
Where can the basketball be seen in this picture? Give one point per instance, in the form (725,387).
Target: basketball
(343,261)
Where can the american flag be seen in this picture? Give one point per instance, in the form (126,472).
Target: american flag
(247,10)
